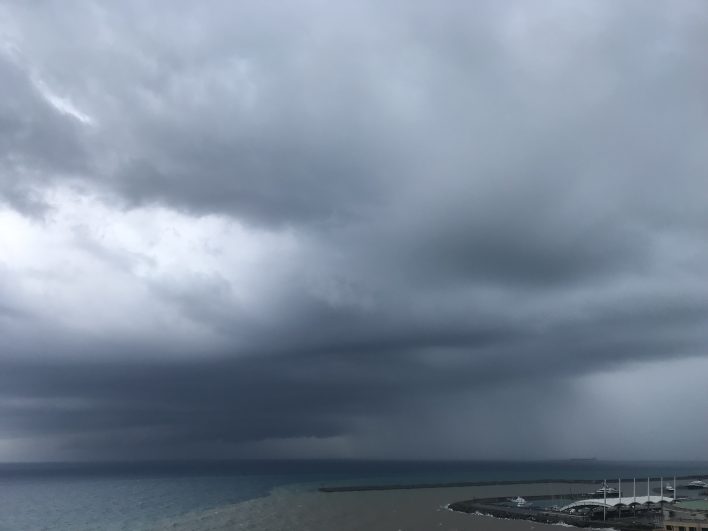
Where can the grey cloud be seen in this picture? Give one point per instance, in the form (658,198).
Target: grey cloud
(37,141)
(488,197)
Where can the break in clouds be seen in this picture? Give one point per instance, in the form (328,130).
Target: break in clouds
(355,229)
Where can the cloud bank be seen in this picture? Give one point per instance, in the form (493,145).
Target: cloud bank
(373,230)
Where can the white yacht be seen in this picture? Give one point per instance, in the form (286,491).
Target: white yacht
(606,490)
(669,488)
(519,501)
(697,484)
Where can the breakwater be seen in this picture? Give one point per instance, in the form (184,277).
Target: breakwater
(404,486)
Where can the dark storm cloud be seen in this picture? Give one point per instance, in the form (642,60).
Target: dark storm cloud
(490,198)
(318,391)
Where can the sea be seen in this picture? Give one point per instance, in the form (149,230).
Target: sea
(139,496)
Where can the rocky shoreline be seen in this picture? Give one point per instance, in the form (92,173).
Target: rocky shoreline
(491,507)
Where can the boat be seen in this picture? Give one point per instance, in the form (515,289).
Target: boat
(606,490)
(519,501)
(697,484)
(669,488)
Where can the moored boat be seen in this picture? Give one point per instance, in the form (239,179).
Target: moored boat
(697,484)
(606,490)
(519,501)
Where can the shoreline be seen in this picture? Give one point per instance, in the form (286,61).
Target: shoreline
(490,507)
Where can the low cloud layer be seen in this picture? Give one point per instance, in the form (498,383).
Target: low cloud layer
(377,230)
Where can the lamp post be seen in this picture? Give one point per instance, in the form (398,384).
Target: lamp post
(634,489)
(619,497)
(634,495)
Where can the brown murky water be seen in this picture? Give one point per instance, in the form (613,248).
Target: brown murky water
(291,509)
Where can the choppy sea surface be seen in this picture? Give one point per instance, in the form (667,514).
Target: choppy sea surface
(140,496)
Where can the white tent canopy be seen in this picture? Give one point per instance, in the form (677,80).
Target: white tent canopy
(611,503)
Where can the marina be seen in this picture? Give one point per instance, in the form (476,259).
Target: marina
(606,505)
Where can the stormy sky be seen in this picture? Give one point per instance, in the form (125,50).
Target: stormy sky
(353,229)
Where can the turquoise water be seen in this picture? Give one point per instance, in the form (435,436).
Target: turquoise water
(137,496)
